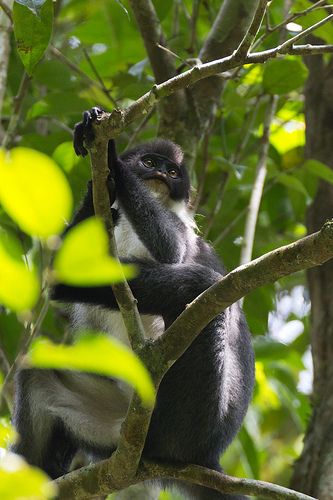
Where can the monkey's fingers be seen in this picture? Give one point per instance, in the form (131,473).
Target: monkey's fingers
(83,131)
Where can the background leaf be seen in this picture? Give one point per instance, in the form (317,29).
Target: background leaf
(32,32)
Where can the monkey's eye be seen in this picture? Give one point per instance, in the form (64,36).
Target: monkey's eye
(148,162)
(173,173)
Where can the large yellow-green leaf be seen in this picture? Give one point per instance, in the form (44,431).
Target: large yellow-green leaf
(19,481)
(19,286)
(83,258)
(96,353)
(32,29)
(34,192)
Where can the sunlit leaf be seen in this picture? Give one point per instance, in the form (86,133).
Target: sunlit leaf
(34,192)
(283,75)
(19,481)
(32,29)
(7,433)
(284,139)
(83,258)
(19,286)
(96,353)
(265,394)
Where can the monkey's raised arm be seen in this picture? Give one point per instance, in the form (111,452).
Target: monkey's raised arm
(161,230)
(185,283)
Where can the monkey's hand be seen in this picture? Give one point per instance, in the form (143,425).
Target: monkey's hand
(83,131)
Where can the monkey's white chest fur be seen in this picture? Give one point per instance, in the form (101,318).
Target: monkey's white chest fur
(102,319)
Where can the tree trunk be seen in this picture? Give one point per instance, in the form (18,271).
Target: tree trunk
(313,473)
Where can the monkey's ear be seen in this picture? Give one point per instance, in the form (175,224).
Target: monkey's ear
(112,155)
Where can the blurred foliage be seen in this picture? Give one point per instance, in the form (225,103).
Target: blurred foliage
(103,61)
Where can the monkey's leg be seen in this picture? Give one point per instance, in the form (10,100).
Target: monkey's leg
(43,440)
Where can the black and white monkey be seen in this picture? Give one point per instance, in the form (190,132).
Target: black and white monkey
(204,396)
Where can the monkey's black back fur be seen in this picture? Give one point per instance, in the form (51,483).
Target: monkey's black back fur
(204,396)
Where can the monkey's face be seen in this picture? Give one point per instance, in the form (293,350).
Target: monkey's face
(159,163)
(163,176)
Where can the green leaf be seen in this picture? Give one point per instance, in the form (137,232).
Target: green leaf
(32,32)
(292,182)
(19,286)
(268,349)
(284,75)
(83,258)
(319,169)
(250,451)
(34,192)
(65,156)
(33,5)
(18,480)
(96,353)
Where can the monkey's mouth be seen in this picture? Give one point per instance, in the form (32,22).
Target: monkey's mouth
(156,178)
(158,185)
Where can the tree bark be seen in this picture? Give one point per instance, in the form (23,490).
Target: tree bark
(313,473)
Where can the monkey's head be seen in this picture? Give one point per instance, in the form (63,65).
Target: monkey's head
(159,164)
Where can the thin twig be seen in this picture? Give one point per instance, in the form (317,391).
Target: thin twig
(67,62)
(17,109)
(193,23)
(30,333)
(293,17)
(140,127)
(98,76)
(251,33)
(258,185)
(202,180)
(283,48)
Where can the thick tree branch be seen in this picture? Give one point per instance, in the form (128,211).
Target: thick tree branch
(113,123)
(150,28)
(123,294)
(85,483)
(305,253)
(224,37)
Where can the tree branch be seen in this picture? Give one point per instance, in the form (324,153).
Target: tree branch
(303,254)
(83,484)
(113,123)
(251,33)
(224,38)
(122,292)
(258,185)
(151,31)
